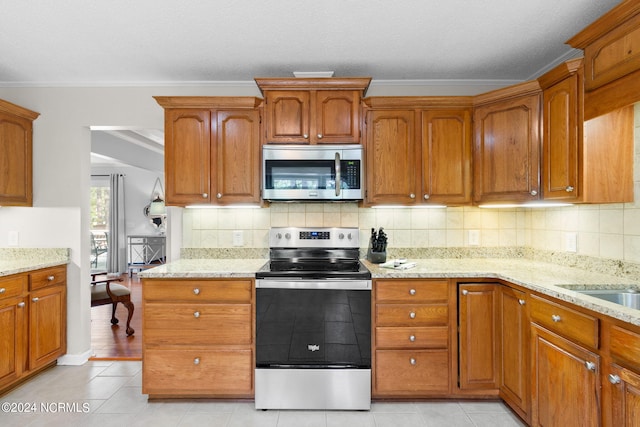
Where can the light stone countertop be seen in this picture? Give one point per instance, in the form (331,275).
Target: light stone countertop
(20,260)
(545,278)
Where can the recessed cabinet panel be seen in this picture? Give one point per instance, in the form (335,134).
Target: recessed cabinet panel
(337,116)
(287,116)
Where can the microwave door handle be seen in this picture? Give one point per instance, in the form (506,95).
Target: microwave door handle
(338,183)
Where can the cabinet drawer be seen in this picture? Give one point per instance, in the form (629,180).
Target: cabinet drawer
(197,290)
(558,318)
(411,314)
(400,372)
(197,324)
(408,337)
(13,286)
(625,344)
(412,291)
(48,277)
(198,372)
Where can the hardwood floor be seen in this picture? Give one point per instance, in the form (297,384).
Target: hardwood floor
(111,342)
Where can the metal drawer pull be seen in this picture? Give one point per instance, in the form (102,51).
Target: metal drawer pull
(196,361)
(412,291)
(556,318)
(569,189)
(50,278)
(412,361)
(196,291)
(412,338)
(21,304)
(614,379)
(465,292)
(521,301)
(205,195)
(35,299)
(196,314)
(590,366)
(3,290)
(412,315)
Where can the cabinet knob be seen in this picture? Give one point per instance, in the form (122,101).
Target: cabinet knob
(196,291)
(36,299)
(426,197)
(614,379)
(219,195)
(412,196)
(534,193)
(196,361)
(3,290)
(521,301)
(556,318)
(465,292)
(319,136)
(21,304)
(412,338)
(412,315)
(569,189)
(590,366)
(196,314)
(413,361)
(412,291)
(305,136)
(205,195)
(51,278)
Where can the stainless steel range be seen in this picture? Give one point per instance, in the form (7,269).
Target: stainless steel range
(313,322)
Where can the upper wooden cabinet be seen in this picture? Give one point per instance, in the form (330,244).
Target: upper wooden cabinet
(16,148)
(212,150)
(418,150)
(612,59)
(507,144)
(312,111)
(588,162)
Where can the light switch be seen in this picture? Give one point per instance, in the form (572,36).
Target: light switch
(238,238)
(571,242)
(14,238)
(474,237)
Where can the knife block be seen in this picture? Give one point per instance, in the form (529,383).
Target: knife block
(376,257)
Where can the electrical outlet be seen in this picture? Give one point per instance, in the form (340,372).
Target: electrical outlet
(571,242)
(238,238)
(474,237)
(14,238)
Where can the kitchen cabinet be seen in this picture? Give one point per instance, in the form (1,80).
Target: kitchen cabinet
(212,150)
(625,397)
(198,338)
(565,366)
(611,47)
(507,144)
(33,323)
(582,162)
(312,110)
(16,155)
(412,353)
(477,329)
(418,150)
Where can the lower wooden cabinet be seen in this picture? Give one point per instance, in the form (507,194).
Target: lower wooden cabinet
(198,338)
(33,312)
(625,396)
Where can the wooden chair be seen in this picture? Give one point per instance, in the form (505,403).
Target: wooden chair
(104,291)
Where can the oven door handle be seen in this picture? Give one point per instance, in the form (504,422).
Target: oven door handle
(348,284)
(338,173)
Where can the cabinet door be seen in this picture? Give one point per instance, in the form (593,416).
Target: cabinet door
(237,157)
(446,156)
(565,382)
(514,349)
(507,150)
(47,322)
(16,188)
(287,116)
(392,175)
(477,335)
(625,396)
(561,124)
(337,117)
(187,156)
(13,323)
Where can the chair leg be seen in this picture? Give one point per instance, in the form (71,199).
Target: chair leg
(130,308)
(114,321)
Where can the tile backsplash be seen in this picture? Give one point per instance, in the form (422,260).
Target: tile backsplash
(609,231)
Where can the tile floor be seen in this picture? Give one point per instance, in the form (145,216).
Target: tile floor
(108,393)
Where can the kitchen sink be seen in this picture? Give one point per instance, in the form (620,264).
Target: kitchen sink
(628,298)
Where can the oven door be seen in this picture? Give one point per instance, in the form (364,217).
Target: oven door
(312,173)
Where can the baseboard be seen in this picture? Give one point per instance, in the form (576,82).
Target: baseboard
(75,359)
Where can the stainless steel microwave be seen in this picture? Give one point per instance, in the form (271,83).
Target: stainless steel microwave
(312,172)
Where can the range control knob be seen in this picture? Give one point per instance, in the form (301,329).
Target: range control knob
(278,236)
(341,236)
(287,236)
(349,236)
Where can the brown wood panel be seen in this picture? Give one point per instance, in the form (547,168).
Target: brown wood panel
(287,116)
(412,290)
(411,372)
(624,344)
(13,286)
(13,324)
(16,154)
(625,397)
(337,117)
(430,337)
(197,290)
(47,325)
(565,321)
(411,314)
(48,277)
(198,371)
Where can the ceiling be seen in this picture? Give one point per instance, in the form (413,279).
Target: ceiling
(146,42)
